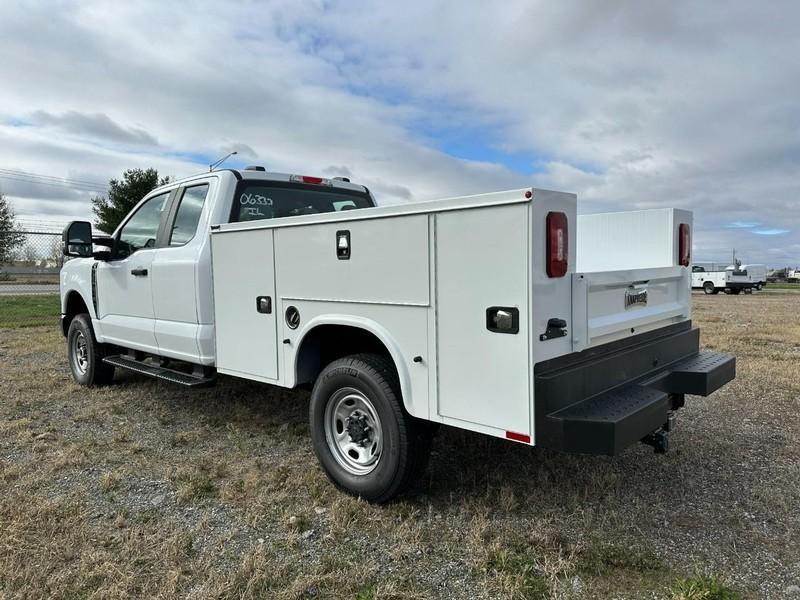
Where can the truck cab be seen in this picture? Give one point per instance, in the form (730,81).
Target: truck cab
(152,289)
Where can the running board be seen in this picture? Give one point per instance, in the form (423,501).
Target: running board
(163,373)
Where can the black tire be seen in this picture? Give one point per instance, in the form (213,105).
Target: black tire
(87,366)
(759,286)
(370,383)
(708,287)
(736,291)
(716,291)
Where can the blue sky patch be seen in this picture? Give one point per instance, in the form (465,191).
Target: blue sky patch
(742,224)
(771,231)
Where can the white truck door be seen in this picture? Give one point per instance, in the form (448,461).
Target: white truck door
(124,285)
(184,250)
(244,304)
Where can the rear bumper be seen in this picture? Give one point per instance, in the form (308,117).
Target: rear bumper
(602,400)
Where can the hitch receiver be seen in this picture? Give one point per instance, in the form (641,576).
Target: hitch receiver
(659,439)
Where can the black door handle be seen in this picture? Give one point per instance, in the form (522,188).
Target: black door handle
(264,304)
(140,272)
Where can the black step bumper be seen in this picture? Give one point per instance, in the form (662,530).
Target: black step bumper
(604,399)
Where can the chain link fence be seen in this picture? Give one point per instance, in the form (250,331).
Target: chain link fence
(30,263)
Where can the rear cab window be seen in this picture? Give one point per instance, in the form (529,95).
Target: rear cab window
(187,217)
(257,200)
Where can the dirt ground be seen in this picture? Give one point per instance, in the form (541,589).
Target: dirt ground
(145,489)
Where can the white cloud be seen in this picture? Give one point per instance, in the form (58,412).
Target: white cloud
(629,104)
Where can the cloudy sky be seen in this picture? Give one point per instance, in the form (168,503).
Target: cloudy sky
(629,104)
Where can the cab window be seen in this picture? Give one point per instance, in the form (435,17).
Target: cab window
(142,228)
(188,214)
(256,200)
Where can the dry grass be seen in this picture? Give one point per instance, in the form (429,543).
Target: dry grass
(145,489)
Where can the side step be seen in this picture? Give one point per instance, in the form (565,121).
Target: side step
(610,422)
(701,374)
(158,372)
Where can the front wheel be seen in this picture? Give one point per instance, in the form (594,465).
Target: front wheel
(85,354)
(367,443)
(759,286)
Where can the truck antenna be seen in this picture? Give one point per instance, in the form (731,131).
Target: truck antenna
(214,165)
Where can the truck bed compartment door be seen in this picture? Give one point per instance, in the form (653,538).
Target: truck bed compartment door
(244,304)
(482,317)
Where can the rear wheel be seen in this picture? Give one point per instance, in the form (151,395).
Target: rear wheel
(708,287)
(85,354)
(367,443)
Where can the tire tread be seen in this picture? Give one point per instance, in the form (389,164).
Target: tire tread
(414,437)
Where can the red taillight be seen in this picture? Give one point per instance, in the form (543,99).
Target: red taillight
(684,245)
(557,244)
(309,179)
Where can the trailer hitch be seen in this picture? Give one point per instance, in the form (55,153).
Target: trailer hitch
(659,439)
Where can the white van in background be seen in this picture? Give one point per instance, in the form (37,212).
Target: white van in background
(757,274)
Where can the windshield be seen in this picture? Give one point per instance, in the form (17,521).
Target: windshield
(256,200)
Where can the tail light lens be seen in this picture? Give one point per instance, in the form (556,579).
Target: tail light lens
(684,245)
(309,179)
(557,244)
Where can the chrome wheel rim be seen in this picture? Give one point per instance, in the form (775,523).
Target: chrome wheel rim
(353,431)
(80,353)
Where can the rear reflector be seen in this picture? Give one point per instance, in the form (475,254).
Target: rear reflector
(684,245)
(309,179)
(518,437)
(557,244)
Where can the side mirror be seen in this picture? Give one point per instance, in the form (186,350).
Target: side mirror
(77,239)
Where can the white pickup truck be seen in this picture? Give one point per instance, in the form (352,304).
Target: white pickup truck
(466,311)
(730,281)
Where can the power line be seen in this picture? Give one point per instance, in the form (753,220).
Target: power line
(70,179)
(63,182)
(58,185)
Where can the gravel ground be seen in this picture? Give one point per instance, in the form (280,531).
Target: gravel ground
(147,489)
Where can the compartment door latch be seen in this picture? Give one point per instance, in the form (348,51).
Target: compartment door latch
(556,328)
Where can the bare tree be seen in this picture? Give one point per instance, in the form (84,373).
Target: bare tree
(56,256)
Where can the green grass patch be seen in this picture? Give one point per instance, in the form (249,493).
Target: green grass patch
(703,587)
(521,579)
(783,286)
(29,310)
(367,593)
